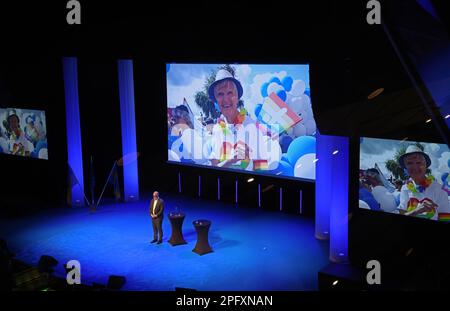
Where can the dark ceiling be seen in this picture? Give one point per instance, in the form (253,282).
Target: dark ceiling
(349,58)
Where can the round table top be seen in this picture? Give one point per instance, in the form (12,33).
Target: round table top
(176,215)
(202,222)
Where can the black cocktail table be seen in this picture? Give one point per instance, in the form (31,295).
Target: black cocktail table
(202,246)
(176,221)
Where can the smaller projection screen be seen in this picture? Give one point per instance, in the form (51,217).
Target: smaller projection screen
(239,117)
(404,177)
(23,132)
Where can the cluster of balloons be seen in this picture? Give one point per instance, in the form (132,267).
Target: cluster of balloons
(299,159)
(294,94)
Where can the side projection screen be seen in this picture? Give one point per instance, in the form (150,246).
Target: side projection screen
(248,118)
(23,133)
(403,177)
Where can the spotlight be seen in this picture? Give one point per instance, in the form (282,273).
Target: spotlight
(428,121)
(315,160)
(447,116)
(335,151)
(335,282)
(250,179)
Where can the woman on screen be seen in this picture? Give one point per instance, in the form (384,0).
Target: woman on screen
(421,195)
(230,147)
(18,144)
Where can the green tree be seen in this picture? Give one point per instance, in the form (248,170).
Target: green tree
(202,98)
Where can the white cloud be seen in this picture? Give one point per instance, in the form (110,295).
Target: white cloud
(368,161)
(175,94)
(243,72)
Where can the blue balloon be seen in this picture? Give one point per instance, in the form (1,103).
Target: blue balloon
(276,80)
(301,146)
(1,149)
(285,141)
(448,163)
(282,95)
(307,92)
(264,89)
(287,83)
(284,158)
(258,109)
(167,67)
(285,168)
(444,178)
(41,144)
(172,138)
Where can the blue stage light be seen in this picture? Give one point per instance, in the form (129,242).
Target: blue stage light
(127,115)
(74,150)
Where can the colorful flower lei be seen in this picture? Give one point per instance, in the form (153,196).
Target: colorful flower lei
(422,186)
(240,120)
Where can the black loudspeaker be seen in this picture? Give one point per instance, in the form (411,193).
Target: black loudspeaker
(115,282)
(46,264)
(342,277)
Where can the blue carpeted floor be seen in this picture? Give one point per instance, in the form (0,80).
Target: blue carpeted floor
(253,249)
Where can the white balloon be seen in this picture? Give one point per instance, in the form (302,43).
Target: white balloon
(273,165)
(304,115)
(306,101)
(296,104)
(305,167)
(298,88)
(274,88)
(310,127)
(172,156)
(43,154)
(289,98)
(363,205)
(299,130)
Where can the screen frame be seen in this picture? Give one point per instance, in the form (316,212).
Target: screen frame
(6,155)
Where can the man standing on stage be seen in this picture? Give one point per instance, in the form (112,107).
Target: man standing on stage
(157,214)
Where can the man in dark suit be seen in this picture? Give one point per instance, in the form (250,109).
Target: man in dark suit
(157,214)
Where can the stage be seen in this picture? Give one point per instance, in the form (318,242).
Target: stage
(253,249)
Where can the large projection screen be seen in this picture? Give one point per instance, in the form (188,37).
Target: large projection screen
(23,132)
(404,177)
(246,118)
